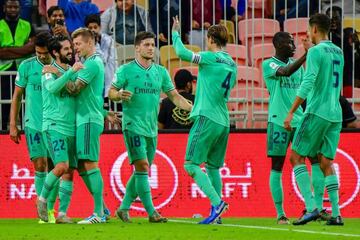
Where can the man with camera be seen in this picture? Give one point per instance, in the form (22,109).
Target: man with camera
(56,21)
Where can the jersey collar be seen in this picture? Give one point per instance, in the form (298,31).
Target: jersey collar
(137,62)
(51,63)
(280,60)
(58,66)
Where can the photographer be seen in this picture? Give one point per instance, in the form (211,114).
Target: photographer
(56,21)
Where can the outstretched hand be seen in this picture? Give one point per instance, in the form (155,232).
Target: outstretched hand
(176,24)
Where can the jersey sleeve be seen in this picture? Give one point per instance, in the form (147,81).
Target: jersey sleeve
(269,69)
(313,61)
(166,84)
(21,77)
(54,85)
(89,72)
(119,79)
(182,52)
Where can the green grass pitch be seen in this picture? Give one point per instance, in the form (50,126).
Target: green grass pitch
(233,228)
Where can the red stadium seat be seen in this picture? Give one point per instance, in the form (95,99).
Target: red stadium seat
(255,31)
(296,27)
(238,53)
(248,77)
(255,8)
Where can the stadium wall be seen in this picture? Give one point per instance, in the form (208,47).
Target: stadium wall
(245,178)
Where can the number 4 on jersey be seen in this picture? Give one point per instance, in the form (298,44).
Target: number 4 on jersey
(226,84)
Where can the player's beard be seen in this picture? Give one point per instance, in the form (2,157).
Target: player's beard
(65,59)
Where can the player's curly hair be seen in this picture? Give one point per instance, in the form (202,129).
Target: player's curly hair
(42,38)
(218,33)
(54,44)
(142,36)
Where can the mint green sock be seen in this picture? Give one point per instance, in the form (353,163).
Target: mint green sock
(215,178)
(332,187)
(85,178)
(65,192)
(39,181)
(96,188)
(318,182)
(142,187)
(303,180)
(49,184)
(53,196)
(277,192)
(130,194)
(203,181)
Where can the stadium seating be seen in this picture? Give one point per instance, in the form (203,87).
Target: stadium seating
(171,61)
(230,28)
(296,27)
(255,31)
(248,77)
(103,4)
(353,23)
(238,53)
(259,53)
(255,8)
(125,53)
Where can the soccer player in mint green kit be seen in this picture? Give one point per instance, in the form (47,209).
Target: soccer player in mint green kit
(28,80)
(209,135)
(283,76)
(59,126)
(139,84)
(319,129)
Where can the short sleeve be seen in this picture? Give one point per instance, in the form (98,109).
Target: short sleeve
(166,85)
(120,78)
(21,78)
(269,69)
(89,72)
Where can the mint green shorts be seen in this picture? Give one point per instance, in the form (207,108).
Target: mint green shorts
(61,147)
(316,135)
(35,143)
(140,147)
(88,141)
(278,140)
(207,142)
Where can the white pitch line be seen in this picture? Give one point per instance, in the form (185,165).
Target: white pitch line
(275,229)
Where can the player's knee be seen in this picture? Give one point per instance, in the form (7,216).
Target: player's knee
(277,163)
(190,168)
(40,164)
(141,165)
(61,168)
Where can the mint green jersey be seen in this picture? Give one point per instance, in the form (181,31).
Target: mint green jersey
(140,113)
(282,91)
(29,77)
(322,81)
(58,105)
(217,76)
(90,101)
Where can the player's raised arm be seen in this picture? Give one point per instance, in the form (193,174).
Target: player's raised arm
(183,53)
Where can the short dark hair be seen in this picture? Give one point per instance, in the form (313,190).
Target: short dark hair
(143,35)
(322,21)
(42,39)
(334,9)
(85,33)
(182,77)
(93,18)
(218,33)
(55,44)
(52,9)
(279,38)
(6,1)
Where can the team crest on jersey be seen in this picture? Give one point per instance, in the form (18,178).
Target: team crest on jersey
(163,178)
(273,65)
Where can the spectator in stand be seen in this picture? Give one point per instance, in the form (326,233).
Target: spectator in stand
(293,9)
(232,14)
(349,118)
(125,14)
(170,116)
(76,11)
(16,43)
(159,15)
(56,21)
(350,38)
(202,19)
(106,48)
